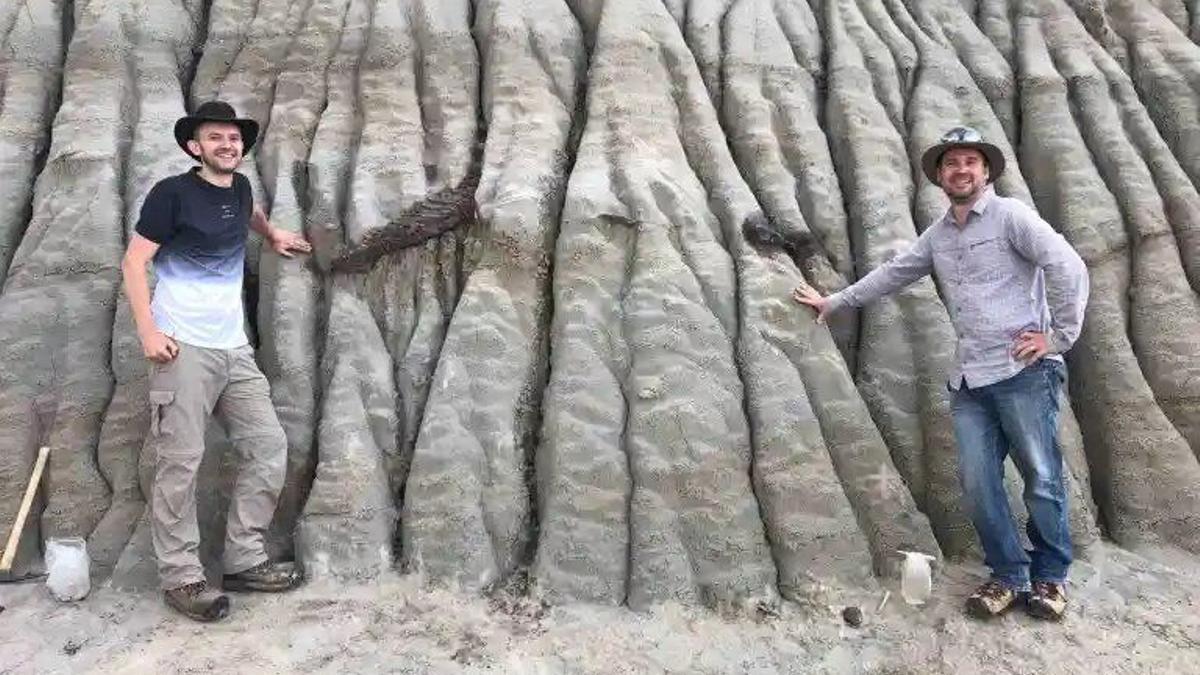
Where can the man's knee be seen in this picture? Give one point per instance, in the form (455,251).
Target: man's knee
(175,469)
(1042,469)
(978,465)
(1045,485)
(266,451)
(272,450)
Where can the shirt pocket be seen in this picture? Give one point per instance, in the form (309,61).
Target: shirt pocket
(986,260)
(946,263)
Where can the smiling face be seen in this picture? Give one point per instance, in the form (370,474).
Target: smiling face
(963,174)
(219,146)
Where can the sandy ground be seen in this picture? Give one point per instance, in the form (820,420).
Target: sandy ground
(1127,615)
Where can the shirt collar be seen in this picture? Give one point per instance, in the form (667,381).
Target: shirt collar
(978,208)
(984,200)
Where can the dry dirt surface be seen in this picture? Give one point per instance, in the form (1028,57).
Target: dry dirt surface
(582,379)
(1128,616)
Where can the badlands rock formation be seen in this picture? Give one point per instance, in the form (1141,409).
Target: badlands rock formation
(595,381)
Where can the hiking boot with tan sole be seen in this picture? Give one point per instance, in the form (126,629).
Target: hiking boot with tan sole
(991,600)
(198,601)
(1047,601)
(267,577)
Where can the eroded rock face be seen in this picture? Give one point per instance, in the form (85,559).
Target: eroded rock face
(598,381)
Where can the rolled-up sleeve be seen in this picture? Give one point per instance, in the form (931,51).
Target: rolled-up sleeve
(1067,283)
(888,278)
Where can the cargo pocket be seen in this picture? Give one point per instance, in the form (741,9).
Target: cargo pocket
(159,400)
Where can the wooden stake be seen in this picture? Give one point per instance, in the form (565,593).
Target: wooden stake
(14,537)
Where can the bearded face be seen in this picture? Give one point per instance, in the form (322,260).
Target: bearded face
(219,146)
(963,173)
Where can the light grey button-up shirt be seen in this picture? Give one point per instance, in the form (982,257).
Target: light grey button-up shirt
(1004,272)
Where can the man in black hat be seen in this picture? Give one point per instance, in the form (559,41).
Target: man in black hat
(1016,293)
(193,226)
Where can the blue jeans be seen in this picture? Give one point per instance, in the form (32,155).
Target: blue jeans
(1017,416)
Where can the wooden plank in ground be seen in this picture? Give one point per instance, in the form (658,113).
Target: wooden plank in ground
(14,536)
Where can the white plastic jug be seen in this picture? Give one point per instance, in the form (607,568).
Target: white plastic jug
(69,568)
(916,577)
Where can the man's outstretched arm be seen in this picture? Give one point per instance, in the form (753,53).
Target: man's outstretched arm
(283,242)
(886,279)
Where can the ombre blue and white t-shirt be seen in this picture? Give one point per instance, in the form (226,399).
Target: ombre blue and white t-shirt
(201,232)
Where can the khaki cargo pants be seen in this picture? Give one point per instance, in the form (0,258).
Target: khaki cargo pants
(183,394)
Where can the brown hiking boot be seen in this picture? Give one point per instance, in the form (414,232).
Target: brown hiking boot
(198,601)
(267,577)
(990,600)
(1047,601)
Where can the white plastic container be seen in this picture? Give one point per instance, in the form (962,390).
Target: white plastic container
(916,577)
(69,568)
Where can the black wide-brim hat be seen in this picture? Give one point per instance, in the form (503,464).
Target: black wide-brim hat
(962,137)
(215,111)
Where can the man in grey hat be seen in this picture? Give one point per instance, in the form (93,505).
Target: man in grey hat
(1016,293)
(193,226)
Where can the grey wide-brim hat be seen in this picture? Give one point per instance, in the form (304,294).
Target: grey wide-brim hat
(215,111)
(962,137)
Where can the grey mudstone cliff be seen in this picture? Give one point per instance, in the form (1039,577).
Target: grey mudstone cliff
(593,378)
